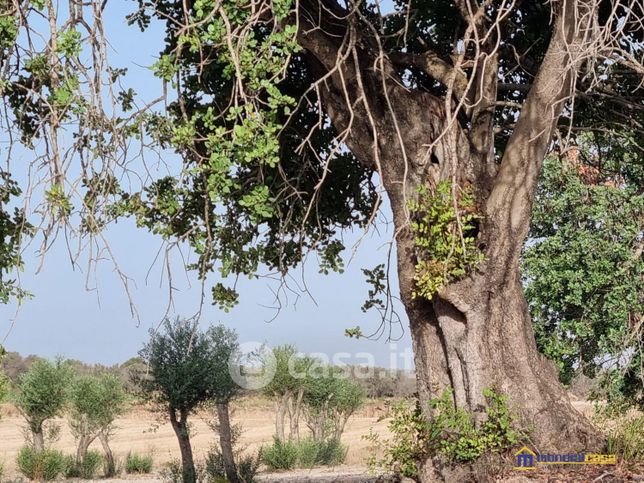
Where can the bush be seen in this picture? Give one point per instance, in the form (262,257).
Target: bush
(247,467)
(286,455)
(308,452)
(628,440)
(281,455)
(332,453)
(452,434)
(172,472)
(1,470)
(87,468)
(45,465)
(138,464)
(312,453)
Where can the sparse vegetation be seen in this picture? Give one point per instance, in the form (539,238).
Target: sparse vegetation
(246,465)
(86,468)
(41,465)
(306,453)
(450,433)
(138,464)
(624,431)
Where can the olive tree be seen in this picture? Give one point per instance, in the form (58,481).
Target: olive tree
(94,403)
(224,347)
(330,398)
(188,368)
(42,393)
(287,388)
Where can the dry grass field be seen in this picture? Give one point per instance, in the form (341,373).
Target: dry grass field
(140,431)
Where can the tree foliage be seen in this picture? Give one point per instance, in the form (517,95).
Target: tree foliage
(94,403)
(583,267)
(42,394)
(185,368)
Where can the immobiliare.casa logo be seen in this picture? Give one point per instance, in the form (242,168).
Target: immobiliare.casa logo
(526,459)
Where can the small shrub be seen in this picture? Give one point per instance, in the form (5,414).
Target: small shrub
(87,468)
(1,470)
(312,453)
(628,440)
(332,453)
(308,453)
(247,467)
(138,464)
(172,472)
(451,433)
(45,465)
(281,455)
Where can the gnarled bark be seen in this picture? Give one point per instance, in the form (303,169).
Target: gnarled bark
(475,332)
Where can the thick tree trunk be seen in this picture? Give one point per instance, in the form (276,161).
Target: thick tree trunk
(489,342)
(226,443)
(180,426)
(476,332)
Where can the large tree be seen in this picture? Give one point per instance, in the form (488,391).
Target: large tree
(295,118)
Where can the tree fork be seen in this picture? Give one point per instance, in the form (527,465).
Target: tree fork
(476,332)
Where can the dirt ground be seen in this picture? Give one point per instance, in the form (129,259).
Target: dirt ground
(140,431)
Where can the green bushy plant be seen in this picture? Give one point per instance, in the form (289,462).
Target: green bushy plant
(45,465)
(312,453)
(247,467)
(281,455)
(451,433)
(332,452)
(306,453)
(87,467)
(443,237)
(138,464)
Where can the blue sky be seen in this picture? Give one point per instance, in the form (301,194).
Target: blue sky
(96,326)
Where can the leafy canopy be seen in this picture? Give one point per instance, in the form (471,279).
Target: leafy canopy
(95,402)
(188,367)
(583,268)
(43,391)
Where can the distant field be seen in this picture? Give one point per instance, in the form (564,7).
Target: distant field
(139,431)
